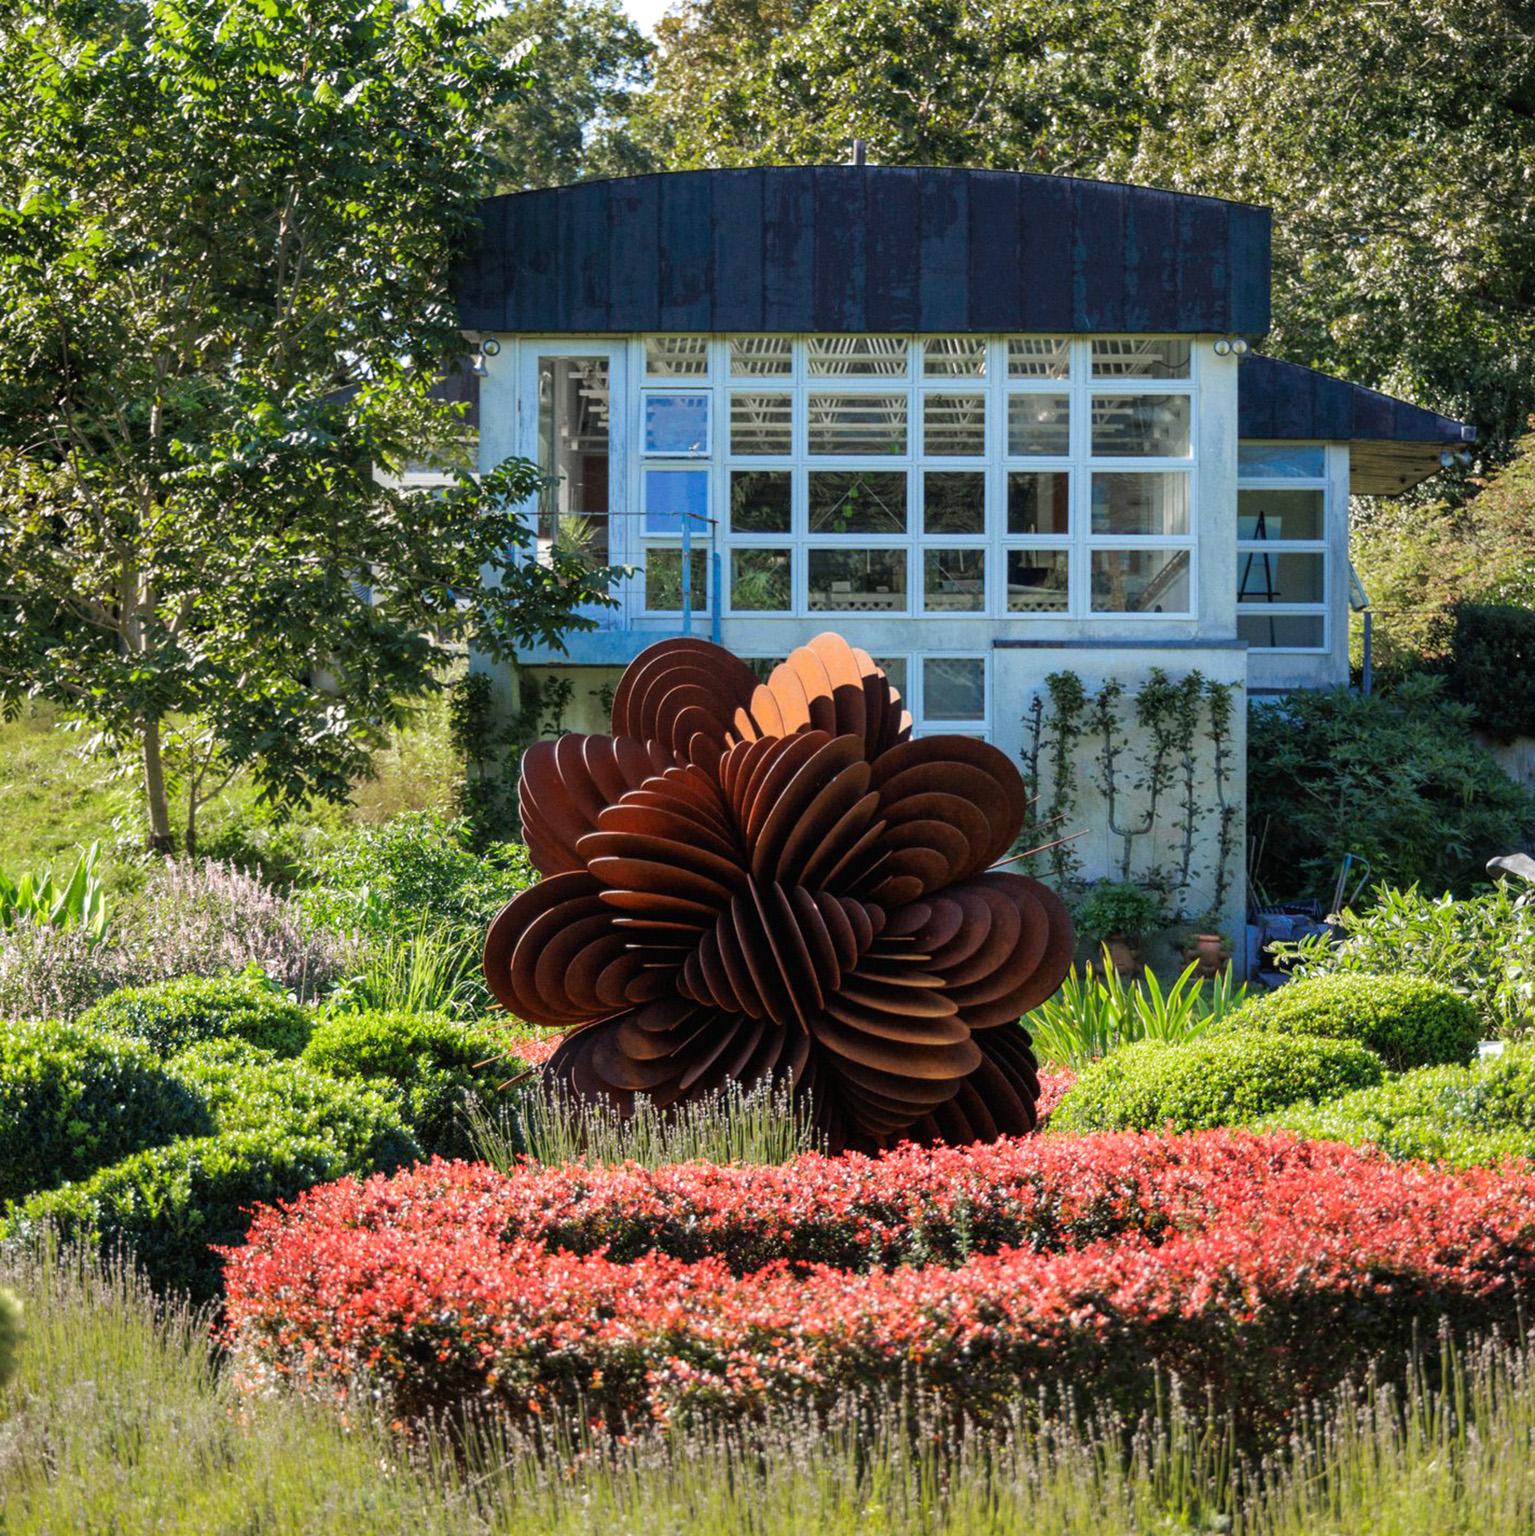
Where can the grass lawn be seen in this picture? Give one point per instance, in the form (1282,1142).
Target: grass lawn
(55,799)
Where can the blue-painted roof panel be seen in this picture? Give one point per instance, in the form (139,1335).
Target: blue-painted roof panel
(865,248)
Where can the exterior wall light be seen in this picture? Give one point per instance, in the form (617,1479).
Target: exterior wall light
(1231,346)
(490,347)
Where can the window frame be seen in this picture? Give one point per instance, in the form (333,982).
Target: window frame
(1321,545)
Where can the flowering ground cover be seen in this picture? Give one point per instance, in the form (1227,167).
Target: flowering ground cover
(1261,1268)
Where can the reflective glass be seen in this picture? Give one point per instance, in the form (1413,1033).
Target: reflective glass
(858,580)
(761,580)
(1143,502)
(1037,580)
(1140,580)
(676,423)
(954,580)
(954,501)
(858,425)
(857,501)
(1038,426)
(1141,426)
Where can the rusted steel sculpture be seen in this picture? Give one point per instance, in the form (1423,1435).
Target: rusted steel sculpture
(749,881)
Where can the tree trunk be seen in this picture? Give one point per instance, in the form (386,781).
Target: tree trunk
(161,838)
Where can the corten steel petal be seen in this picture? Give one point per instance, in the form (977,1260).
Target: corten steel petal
(751,881)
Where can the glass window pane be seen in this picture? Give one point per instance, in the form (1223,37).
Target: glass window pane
(1039,357)
(954,424)
(1139,357)
(858,424)
(857,501)
(858,580)
(954,357)
(1278,576)
(761,500)
(677,357)
(1037,580)
(676,423)
(663,579)
(1140,581)
(1280,514)
(1283,631)
(761,357)
(856,357)
(573,443)
(1143,426)
(1141,502)
(894,668)
(671,495)
(761,579)
(954,501)
(953,688)
(761,424)
(954,580)
(1281,461)
(1039,501)
(1038,424)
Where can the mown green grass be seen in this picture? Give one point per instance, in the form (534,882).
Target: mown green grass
(55,798)
(121,1420)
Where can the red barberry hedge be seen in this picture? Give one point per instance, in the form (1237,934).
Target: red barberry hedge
(1262,1268)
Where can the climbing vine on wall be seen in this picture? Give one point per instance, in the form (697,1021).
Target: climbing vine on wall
(1161,762)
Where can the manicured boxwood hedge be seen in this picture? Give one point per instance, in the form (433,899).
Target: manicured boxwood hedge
(1463,1115)
(429,1061)
(1224,1079)
(1408,1021)
(73,1101)
(175,1014)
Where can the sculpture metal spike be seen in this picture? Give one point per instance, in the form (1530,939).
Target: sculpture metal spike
(754,881)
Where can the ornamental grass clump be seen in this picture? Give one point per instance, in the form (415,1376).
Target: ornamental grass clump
(1408,1021)
(1225,1079)
(977,1275)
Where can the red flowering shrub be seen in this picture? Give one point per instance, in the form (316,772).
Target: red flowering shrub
(1263,1268)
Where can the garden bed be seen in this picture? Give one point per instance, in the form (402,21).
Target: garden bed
(1261,1269)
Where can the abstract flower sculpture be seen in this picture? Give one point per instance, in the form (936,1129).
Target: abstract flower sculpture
(749,881)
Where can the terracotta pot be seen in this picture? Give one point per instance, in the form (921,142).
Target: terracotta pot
(1122,954)
(1210,951)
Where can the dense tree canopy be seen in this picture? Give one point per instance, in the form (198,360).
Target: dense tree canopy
(227,235)
(1396,144)
(572,116)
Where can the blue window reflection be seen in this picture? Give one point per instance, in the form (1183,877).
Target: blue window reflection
(673,494)
(676,423)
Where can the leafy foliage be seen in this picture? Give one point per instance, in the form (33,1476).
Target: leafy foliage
(1492,666)
(1392,777)
(430,1063)
(1121,909)
(10,1333)
(1097,1011)
(174,1014)
(1408,1021)
(73,1101)
(1483,1113)
(78,902)
(227,239)
(1482,947)
(1223,1079)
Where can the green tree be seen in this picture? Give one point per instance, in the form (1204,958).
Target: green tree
(573,116)
(1395,144)
(227,236)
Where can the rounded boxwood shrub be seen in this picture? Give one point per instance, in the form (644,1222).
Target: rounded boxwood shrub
(73,1100)
(1408,1021)
(171,1206)
(172,1015)
(1478,1114)
(430,1061)
(1224,1079)
(10,1334)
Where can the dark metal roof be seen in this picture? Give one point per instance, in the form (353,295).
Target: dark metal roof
(865,248)
(1392,444)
